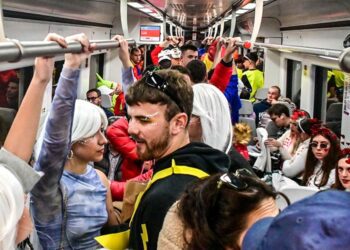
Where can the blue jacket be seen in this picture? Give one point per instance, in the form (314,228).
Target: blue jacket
(231,94)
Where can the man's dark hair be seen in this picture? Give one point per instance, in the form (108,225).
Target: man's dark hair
(252,56)
(188,47)
(133,50)
(181,69)
(198,71)
(94,90)
(278,109)
(141,92)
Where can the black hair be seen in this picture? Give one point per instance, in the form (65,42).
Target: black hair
(188,47)
(198,71)
(278,109)
(94,90)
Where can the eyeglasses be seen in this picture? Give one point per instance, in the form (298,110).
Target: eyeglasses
(233,179)
(323,145)
(92,98)
(155,81)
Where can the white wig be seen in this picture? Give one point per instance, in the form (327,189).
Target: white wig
(212,107)
(88,119)
(11,208)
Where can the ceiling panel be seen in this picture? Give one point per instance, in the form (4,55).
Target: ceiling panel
(198,13)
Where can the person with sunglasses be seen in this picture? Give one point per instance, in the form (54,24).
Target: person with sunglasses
(342,177)
(293,166)
(321,159)
(159,109)
(216,212)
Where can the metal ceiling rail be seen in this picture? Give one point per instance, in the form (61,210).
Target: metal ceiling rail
(13,50)
(343,57)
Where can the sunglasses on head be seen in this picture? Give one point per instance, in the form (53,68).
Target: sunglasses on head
(155,81)
(234,181)
(323,145)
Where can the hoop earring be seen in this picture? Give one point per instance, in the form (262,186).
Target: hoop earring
(70,155)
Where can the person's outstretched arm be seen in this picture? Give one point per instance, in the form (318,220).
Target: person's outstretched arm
(24,127)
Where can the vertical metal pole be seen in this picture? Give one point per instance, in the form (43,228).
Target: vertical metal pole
(164,27)
(210,31)
(171,29)
(2,32)
(233,23)
(124,17)
(215,30)
(222,25)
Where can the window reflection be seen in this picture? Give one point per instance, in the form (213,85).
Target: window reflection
(9,89)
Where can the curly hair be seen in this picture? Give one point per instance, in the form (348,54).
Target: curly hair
(242,133)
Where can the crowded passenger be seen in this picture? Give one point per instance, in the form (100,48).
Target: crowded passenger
(73,137)
(289,142)
(94,96)
(293,166)
(342,178)
(216,212)
(17,177)
(280,116)
(321,159)
(252,78)
(135,58)
(273,94)
(189,52)
(159,106)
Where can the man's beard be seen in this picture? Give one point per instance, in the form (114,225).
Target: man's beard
(155,149)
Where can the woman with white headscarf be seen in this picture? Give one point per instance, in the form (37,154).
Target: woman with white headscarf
(210,123)
(72,201)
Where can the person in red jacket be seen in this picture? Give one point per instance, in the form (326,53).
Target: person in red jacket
(118,136)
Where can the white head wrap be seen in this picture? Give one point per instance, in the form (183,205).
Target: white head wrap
(212,107)
(88,119)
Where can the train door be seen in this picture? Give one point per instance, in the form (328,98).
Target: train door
(294,81)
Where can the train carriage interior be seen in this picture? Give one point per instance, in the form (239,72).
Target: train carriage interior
(301,48)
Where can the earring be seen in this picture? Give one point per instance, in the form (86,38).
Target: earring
(70,155)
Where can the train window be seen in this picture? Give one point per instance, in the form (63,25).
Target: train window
(320,94)
(13,85)
(294,81)
(96,66)
(56,75)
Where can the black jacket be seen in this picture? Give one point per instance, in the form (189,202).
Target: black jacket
(156,201)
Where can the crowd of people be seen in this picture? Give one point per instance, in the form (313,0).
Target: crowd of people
(173,127)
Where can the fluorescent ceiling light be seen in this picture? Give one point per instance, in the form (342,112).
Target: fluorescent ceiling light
(249,6)
(285,50)
(136,5)
(241,11)
(329,58)
(146,10)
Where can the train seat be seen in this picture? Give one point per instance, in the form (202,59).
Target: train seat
(261,94)
(334,112)
(246,109)
(294,194)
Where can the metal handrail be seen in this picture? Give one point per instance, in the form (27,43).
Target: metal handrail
(343,57)
(13,50)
